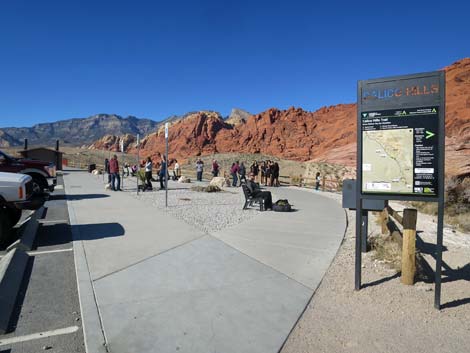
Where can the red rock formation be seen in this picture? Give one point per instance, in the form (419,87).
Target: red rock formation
(192,136)
(113,143)
(328,134)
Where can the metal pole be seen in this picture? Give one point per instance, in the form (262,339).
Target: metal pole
(441,181)
(138,163)
(358,257)
(365,221)
(440,226)
(166,174)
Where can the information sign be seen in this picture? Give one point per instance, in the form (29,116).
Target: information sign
(400,151)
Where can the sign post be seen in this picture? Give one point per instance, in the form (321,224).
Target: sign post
(138,163)
(400,148)
(166,166)
(121,148)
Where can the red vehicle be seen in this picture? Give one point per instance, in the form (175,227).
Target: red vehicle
(43,173)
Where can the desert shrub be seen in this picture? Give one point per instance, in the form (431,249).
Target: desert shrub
(209,188)
(456,204)
(212,188)
(295,180)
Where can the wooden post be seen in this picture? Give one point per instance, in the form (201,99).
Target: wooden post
(384,220)
(300,180)
(323,183)
(408,257)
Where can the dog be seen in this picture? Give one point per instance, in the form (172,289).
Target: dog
(107,186)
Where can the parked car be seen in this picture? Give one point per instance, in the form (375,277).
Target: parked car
(43,173)
(16,195)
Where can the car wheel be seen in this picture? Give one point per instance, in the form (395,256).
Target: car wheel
(39,184)
(13,215)
(4,226)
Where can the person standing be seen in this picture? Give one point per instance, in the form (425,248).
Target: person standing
(162,173)
(255,170)
(317,181)
(268,173)
(215,168)
(106,169)
(275,174)
(263,173)
(199,169)
(114,171)
(148,174)
(233,172)
(242,173)
(177,170)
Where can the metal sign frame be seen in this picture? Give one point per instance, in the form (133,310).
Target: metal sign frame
(392,95)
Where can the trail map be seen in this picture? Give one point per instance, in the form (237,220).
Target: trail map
(388,160)
(399,151)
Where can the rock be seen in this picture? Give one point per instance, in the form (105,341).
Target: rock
(218,181)
(113,142)
(184,179)
(325,135)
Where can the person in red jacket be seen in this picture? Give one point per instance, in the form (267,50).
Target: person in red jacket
(114,171)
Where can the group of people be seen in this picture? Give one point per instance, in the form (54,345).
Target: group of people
(162,172)
(268,172)
(111,167)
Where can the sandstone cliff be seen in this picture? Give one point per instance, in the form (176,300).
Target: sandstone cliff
(328,134)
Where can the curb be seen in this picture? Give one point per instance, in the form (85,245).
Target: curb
(12,268)
(26,241)
(93,334)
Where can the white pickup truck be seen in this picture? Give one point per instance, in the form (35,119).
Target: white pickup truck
(16,194)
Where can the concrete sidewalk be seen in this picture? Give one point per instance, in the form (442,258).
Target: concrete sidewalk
(149,282)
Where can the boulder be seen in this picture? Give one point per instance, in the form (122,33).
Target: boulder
(218,181)
(184,179)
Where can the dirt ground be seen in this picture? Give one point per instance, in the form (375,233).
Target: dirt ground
(386,316)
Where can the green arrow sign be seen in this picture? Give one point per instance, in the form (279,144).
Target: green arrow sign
(429,134)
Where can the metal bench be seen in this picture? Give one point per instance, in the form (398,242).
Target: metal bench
(250,200)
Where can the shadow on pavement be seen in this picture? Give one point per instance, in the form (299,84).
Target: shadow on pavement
(15,316)
(61,233)
(98,231)
(380,281)
(77,197)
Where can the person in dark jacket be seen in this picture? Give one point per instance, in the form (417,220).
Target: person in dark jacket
(255,191)
(106,169)
(215,168)
(255,170)
(162,174)
(242,172)
(148,174)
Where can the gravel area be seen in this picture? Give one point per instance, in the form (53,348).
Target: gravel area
(386,316)
(209,212)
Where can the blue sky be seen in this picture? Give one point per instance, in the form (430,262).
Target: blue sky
(153,59)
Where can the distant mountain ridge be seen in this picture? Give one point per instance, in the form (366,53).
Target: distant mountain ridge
(77,131)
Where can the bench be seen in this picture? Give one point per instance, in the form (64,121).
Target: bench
(250,200)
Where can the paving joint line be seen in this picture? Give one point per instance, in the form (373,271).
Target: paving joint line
(149,257)
(261,263)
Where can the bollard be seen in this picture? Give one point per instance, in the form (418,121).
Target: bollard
(408,257)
